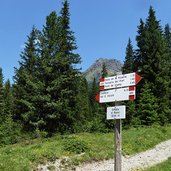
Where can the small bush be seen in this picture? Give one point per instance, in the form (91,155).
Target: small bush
(10,132)
(75,146)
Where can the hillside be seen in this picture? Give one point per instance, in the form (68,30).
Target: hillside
(94,71)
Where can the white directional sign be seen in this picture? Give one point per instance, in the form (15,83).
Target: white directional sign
(118,81)
(116,112)
(120,94)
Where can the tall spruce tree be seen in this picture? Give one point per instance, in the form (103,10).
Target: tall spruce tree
(93,92)
(129,59)
(148,107)
(60,77)
(129,67)
(167,35)
(8,99)
(139,53)
(49,73)
(82,107)
(153,55)
(26,88)
(104,72)
(1,97)
(69,73)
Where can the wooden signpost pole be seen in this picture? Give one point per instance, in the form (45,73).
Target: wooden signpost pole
(118,143)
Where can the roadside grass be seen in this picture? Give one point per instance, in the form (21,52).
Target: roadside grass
(165,166)
(82,147)
(139,139)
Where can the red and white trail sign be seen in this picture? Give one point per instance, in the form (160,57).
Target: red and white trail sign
(120,94)
(119,81)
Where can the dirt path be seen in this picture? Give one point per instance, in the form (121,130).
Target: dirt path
(158,154)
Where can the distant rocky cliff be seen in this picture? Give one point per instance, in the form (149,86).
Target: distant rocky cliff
(94,71)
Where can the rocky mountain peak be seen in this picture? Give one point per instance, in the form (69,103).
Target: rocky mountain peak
(94,71)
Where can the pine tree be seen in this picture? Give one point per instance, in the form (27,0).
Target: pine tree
(148,107)
(104,72)
(93,92)
(8,99)
(69,73)
(60,77)
(153,55)
(82,107)
(2,117)
(129,67)
(26,87)
(141,39)
(167,35)
(49,75)
(129,59)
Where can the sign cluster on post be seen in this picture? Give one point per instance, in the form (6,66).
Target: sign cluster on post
(115,89)
(118,88)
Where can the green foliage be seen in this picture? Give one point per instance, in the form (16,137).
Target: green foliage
(94,89)
(151,59)
(131,115)
(10,132)
(1,97)
(147,106)
(129,59)
(26,87)
(75,146)
(104,72)
(82,105)
(94,125)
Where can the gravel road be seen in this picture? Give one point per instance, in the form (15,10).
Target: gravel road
(138,162)
(158,154)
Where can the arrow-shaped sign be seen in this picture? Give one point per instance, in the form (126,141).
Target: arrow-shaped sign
(120,94)
(119,81)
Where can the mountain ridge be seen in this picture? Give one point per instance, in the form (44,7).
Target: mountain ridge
(94,71)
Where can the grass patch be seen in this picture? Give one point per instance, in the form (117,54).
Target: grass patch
(79,147)
(165,166)
(136,140)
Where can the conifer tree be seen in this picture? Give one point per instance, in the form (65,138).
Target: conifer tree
(129,67)
(153,55)
(26,88)
(60,77)
(129,59)
(148,107)
(2,117)
(167,36)
(140,38)
(68,67)
(49,74)
(93,92)
(104,72)
(82,107)
(8,99)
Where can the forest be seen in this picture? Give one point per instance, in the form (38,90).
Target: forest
(50,94)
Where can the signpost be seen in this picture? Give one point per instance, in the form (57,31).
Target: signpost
(119,81)
(121,94)
(115,89)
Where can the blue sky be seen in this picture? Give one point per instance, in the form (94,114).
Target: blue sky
(102,27)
